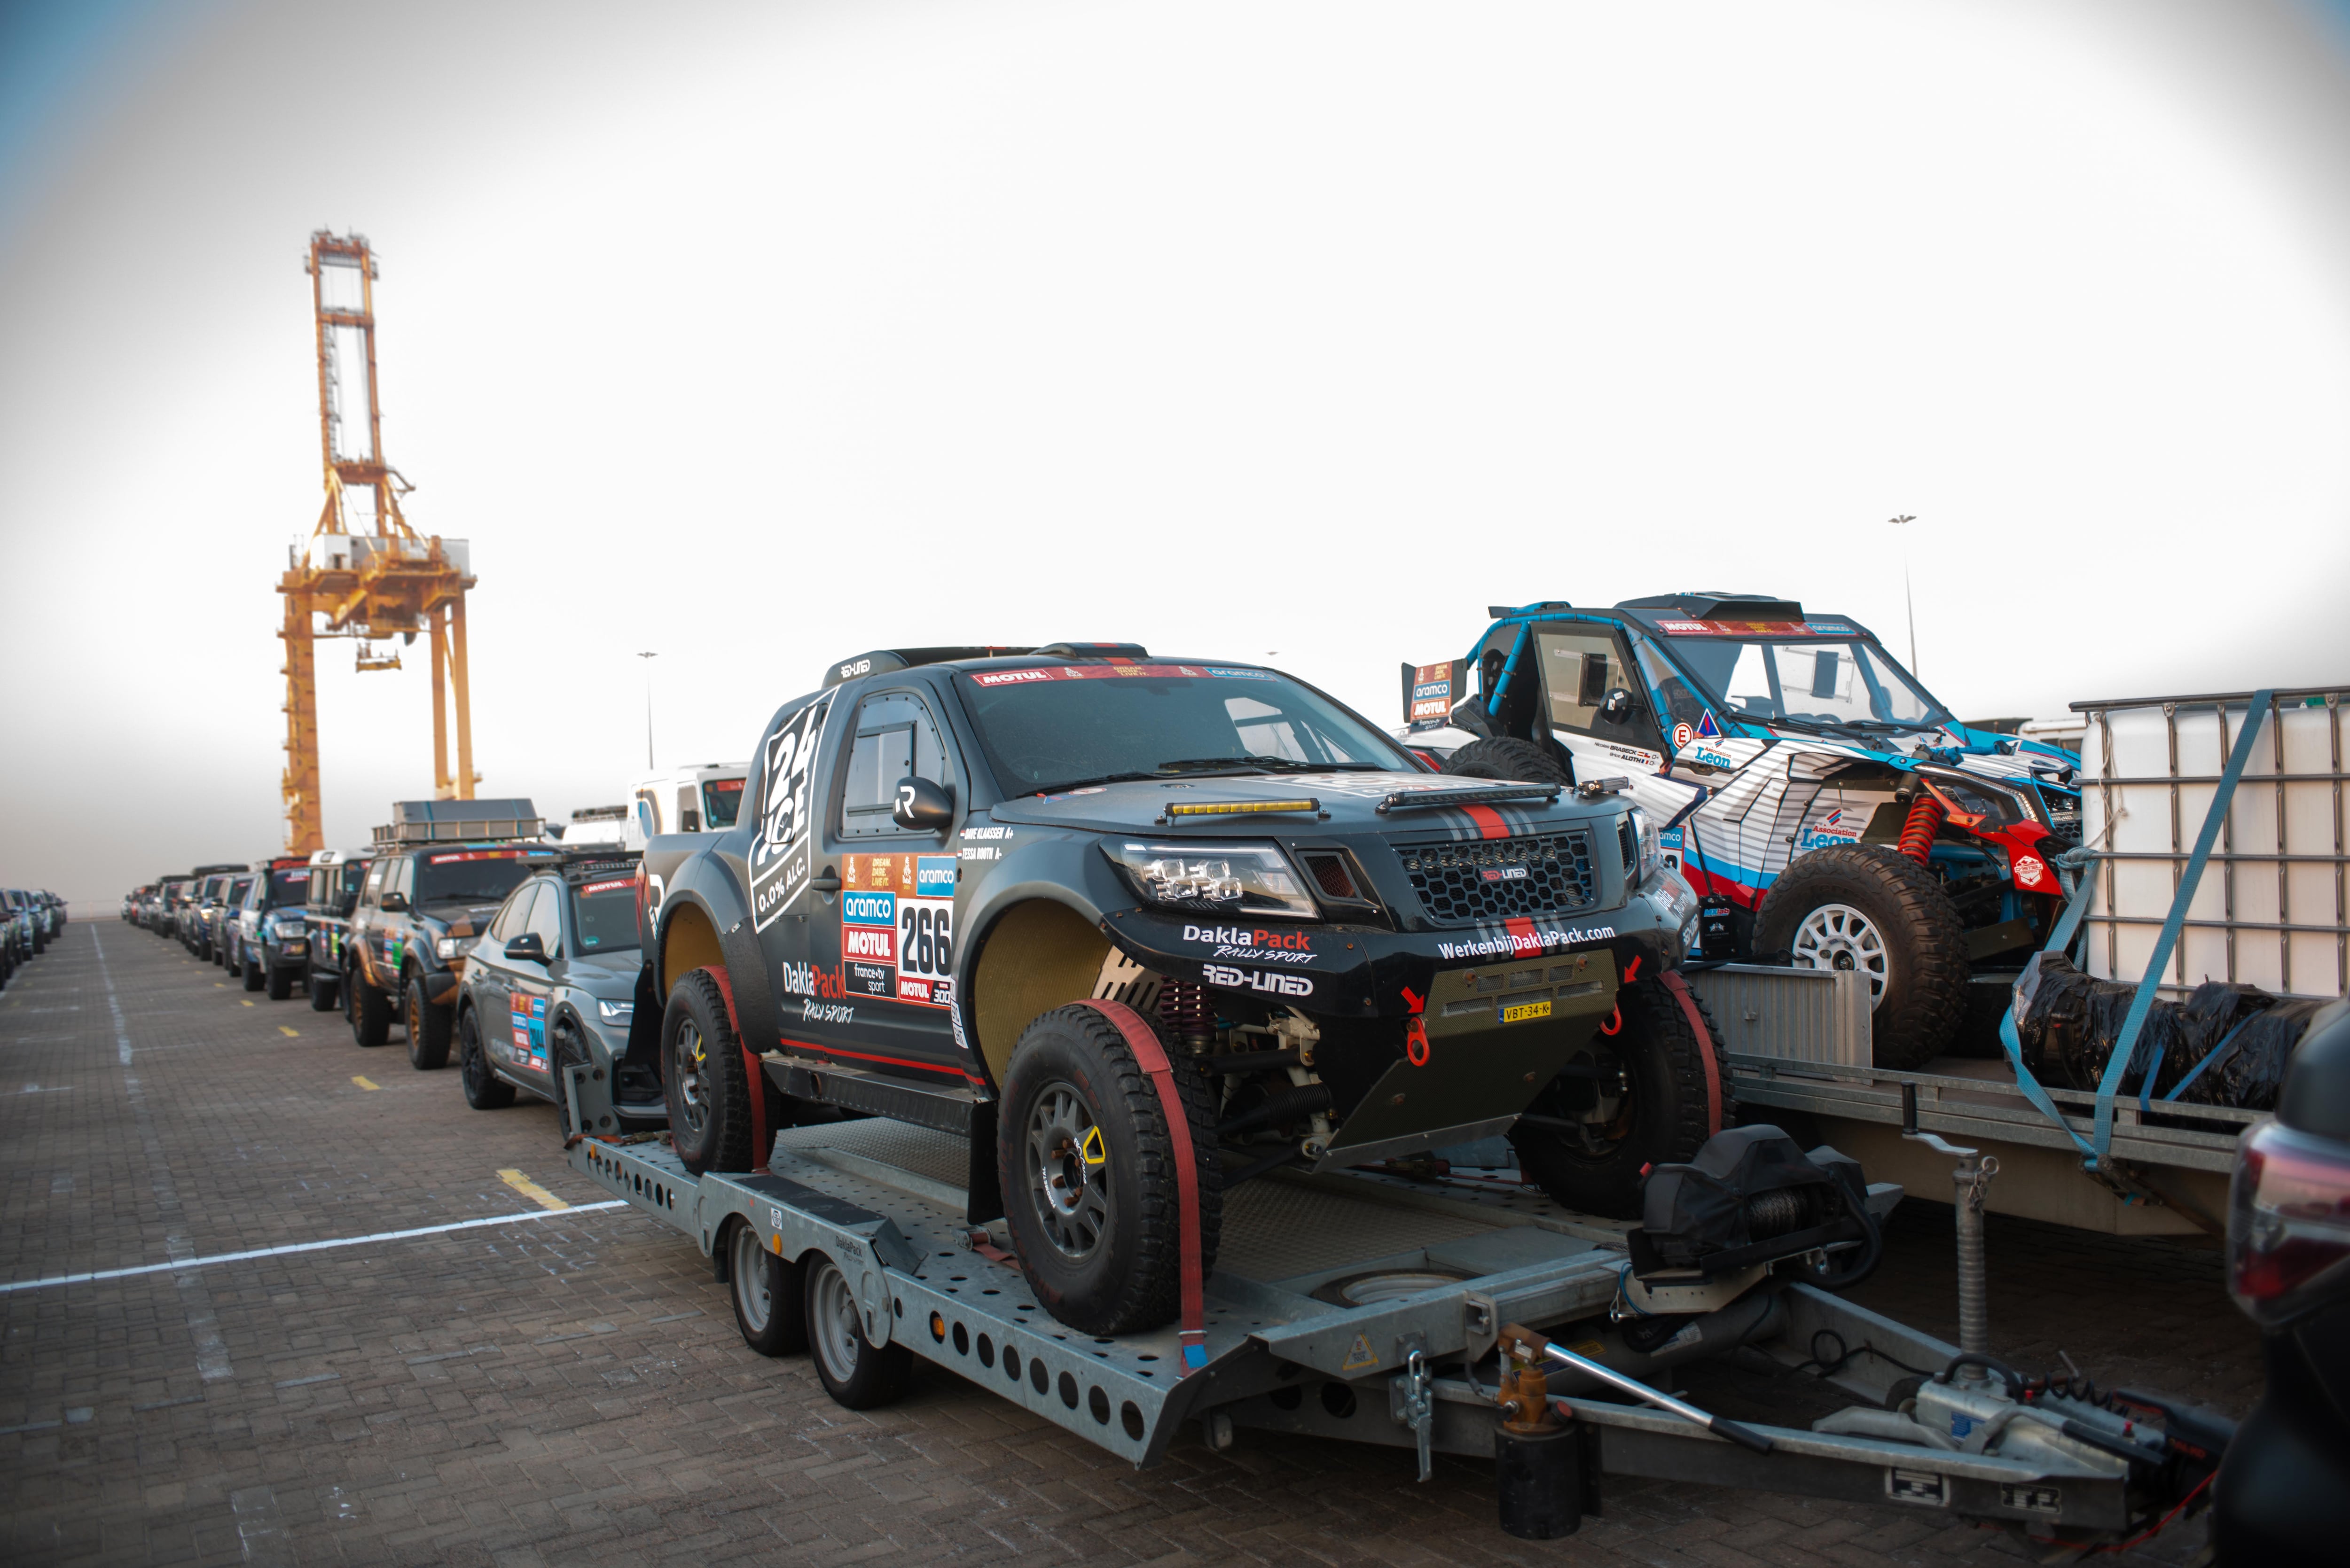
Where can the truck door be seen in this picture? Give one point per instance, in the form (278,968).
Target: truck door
(890,943)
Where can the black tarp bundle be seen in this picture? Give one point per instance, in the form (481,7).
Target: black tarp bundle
(2068,1023)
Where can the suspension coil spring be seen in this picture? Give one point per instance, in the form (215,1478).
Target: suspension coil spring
(1925,814)
(1183,1010)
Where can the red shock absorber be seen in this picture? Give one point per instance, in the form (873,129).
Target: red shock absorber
(1925,814)
(1183,1011)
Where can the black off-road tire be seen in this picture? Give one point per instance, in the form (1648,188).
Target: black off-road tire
(1129,1277)
(1924,999)
(279,981)
(229,960)
(1668,1111)
(368,1009)
(770,1299)
(705,1080)
(484,1090)
(858,1373)
(256,969)
(1508,757)
(429,1027)
(323,991)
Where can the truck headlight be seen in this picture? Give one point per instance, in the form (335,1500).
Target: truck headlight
(1215,878)
(448,947)
(617,1012)
(1649,851)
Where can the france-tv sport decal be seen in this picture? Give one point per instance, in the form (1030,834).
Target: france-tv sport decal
(897,918)
(782,857)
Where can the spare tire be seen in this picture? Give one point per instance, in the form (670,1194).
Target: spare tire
(1508,757)
(1869,908)
(1650,1094)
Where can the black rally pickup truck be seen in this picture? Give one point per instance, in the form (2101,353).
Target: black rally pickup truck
(953,854)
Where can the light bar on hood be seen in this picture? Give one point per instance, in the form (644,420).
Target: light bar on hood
(1177,812)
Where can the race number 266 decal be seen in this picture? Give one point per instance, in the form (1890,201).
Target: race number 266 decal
(783,855)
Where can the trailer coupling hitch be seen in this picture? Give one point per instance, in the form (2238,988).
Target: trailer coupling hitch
(1527,1346)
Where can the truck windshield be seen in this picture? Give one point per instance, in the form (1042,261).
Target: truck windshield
(604,914)
(722,799)
(288,885)
(1060,726)
(1844,683)
(474,876)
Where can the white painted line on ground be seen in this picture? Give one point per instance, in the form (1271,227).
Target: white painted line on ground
(291,1247)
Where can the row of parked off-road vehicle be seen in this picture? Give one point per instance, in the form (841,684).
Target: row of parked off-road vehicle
(30,920)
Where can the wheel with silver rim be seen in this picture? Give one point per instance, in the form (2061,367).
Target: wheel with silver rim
(768,1308)
(1870,910)
(856,1373)
(1837,935)
(1069,1180)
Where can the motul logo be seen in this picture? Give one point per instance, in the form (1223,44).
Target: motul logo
(878,943)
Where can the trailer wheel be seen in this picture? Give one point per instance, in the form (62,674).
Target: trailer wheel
(1867,908)
(703,1079)
(368,1009)
(1647,1095)
(1508,757)
(428,1028)
(858,1373)
(1087,1166)
(770,1306)
(484,1090)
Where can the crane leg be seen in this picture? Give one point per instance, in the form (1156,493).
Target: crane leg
(443,788)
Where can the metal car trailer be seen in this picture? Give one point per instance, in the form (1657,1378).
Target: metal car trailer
(1352,1305)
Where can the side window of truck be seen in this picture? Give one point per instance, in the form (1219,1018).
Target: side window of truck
(374,883)
(1579,668)
(896,737)
(507,923)
(689,816)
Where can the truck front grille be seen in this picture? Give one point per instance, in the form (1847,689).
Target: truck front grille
(1468,882)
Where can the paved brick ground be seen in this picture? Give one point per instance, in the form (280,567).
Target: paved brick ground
(572,1389)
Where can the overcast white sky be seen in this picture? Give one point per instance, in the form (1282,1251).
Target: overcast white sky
(760,335)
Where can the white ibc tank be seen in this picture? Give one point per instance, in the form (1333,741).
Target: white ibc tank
(2271,907)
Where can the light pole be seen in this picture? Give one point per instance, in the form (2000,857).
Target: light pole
(1907,599)
(649,708)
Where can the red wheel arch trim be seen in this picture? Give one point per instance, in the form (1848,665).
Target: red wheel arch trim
(1678,987)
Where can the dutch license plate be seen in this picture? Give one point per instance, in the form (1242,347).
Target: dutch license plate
(1525,1010)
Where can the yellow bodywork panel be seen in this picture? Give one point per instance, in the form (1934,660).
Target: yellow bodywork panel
(1040,956)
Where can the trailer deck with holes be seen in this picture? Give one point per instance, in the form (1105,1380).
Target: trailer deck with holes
(1452,1263)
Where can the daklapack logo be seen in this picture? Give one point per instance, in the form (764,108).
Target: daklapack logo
(1240,936)
(875,944)
(1250,980)
(934,876)
(806,979)
(869,908)
(1512,944)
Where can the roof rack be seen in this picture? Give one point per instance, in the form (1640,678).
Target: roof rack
(1707,605)
(452,821)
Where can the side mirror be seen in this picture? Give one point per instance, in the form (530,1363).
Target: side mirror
(528,948)
(392,903)
(923,805)
(1617,706)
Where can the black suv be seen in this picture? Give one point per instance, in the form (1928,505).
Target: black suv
(998,895)
(416,916)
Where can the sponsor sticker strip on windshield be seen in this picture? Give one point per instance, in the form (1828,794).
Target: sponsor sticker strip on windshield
(1110,671)
(457,854)
(1756,629)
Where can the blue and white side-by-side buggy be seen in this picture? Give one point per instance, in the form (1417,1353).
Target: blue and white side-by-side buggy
(1827,807)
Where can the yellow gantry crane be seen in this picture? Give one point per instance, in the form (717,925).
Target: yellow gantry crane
(369,574)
